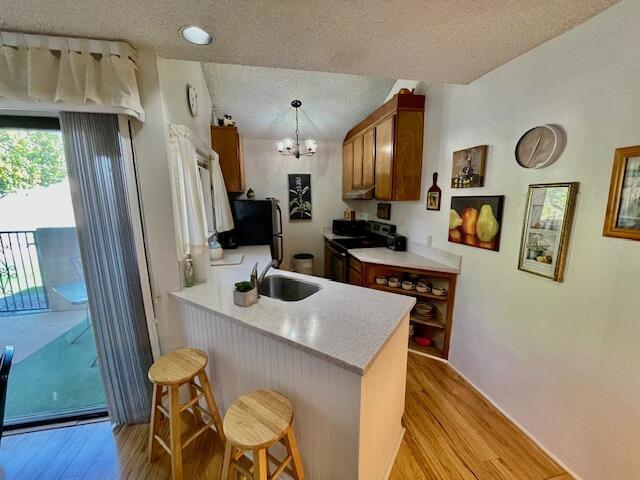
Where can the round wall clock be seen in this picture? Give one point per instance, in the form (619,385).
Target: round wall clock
(192,100)
(540,146)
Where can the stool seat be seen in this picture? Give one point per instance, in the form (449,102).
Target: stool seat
(258,419)
(177,367)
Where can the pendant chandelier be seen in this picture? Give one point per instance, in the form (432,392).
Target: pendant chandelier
(289,146)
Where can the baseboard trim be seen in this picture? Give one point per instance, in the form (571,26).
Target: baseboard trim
(387,473)
(428,355)
(517,424)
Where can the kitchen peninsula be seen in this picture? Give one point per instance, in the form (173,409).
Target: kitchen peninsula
(340,355)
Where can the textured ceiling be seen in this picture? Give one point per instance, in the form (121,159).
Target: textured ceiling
(453,41)
(259,99)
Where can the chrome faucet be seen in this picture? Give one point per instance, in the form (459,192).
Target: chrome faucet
(257,280)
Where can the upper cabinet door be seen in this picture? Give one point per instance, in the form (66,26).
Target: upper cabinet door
(347,167)
(407,161)
(358,147)
(384,144)
(369,158)
(226,142)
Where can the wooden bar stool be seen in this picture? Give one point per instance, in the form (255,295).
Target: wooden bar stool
(168,374)
(253,423)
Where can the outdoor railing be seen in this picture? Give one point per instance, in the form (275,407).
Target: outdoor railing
(21,286)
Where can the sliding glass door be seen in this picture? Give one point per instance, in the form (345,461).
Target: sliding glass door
(43,299)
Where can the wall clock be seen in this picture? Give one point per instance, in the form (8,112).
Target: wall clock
(540,146)
(192,100)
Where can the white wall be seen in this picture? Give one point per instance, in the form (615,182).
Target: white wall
(561,358)
(415,85)
(267,173)
(174,76)
(162,86)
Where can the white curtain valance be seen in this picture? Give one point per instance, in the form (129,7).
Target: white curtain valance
(69,71)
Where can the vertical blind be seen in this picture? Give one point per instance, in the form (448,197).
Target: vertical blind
(105,236)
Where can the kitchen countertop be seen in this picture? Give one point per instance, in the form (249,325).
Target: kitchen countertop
(333,236)
(384,256)
(341,323)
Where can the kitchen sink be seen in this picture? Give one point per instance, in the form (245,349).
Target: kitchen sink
(286,288)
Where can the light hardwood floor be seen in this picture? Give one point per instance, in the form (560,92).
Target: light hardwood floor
(452,434)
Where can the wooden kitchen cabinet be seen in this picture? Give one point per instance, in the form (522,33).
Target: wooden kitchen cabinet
(327,260)
(437,328)
(355,272)
(347,168)
(392,146)
(358,147)
(384,159)
(369,157)
(226,142)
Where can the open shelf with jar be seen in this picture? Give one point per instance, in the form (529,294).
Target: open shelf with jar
(432,317)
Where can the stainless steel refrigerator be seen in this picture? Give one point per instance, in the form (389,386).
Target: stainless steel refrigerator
(257,222)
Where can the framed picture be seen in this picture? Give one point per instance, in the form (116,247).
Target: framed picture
(384,211)
(546,227)
(476,221)
(299,196)
(433,200)
(468,167)
(434,194)
(622,219)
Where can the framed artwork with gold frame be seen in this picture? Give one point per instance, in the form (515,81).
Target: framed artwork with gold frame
(622,219)
(545,231)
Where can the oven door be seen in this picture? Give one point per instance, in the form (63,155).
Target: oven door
(336,264)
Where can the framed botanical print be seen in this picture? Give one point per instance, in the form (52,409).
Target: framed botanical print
(299,196)
(623,210)
(546,227)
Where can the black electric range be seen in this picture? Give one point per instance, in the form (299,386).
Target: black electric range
(337,263)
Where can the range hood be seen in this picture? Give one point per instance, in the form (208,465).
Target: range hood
(363,193)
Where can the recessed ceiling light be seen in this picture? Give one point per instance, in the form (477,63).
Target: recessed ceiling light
(196,35)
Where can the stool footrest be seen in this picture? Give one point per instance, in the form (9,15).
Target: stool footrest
(282,466)
(162,443)
(196,434)
(209,416)
(163,410)
(191,402)
(242,470)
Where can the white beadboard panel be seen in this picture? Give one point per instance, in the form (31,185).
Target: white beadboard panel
(326,398)
(382,406)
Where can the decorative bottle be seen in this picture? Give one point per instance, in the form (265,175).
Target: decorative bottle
(189,274)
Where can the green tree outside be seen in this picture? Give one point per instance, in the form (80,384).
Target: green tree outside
(30,158)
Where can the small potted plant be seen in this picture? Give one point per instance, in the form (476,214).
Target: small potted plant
(245,294)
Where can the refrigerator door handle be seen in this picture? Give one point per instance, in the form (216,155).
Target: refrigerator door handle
(279,219)
(281,250)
